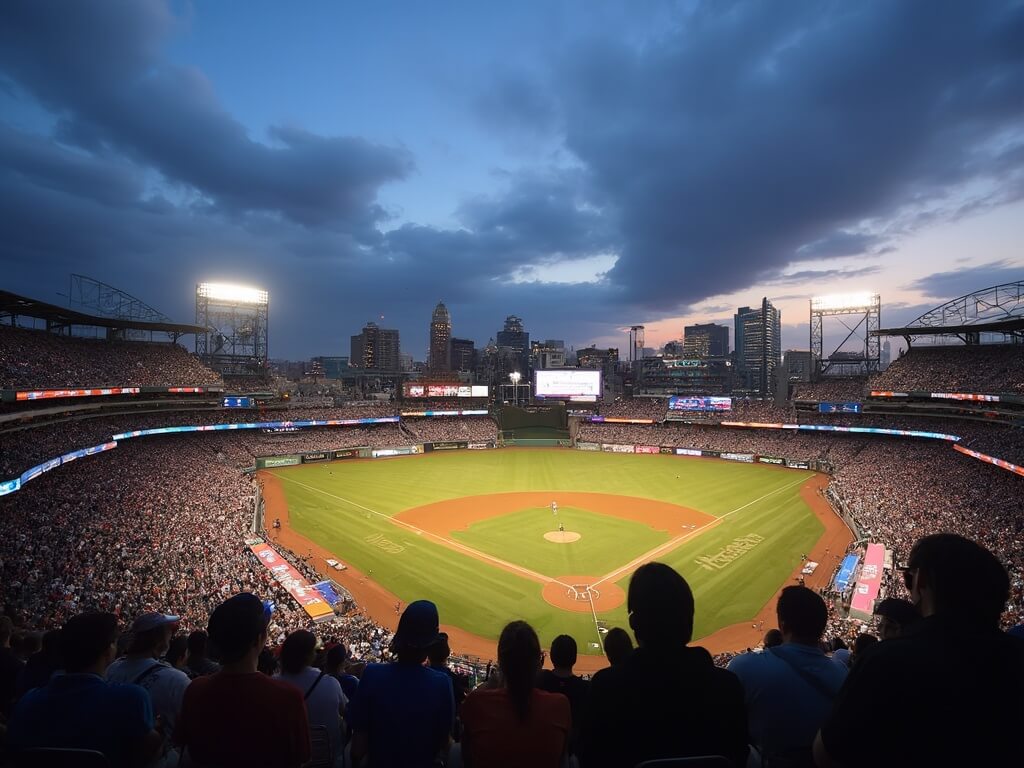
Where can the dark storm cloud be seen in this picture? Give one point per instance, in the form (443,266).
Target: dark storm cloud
(949,285)
(812,276)
(760,129)
(740,140)
(99,66)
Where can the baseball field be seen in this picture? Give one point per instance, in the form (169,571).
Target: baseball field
(549,535)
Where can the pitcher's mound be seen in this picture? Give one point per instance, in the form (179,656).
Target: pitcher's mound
(562,537)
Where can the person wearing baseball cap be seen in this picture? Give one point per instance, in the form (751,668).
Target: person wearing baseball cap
(403,712)
(148,640)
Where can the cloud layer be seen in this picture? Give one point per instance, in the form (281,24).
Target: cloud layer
(748,144)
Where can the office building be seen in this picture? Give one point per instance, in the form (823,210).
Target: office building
(376,349)
(514,338)
(758,337)
(705,340)
(440,339)
(462,356)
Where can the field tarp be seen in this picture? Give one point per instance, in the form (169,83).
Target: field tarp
(284,574)
(869,583)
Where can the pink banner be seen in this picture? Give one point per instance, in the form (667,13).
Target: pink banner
(869,581)
(300,589)
(48,394)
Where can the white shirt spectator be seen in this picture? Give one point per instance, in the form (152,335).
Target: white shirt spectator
(324,703)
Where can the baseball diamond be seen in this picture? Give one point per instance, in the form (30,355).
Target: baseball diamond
(474,531)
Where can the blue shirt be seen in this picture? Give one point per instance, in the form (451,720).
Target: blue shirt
(83,711)
(784,707)
(406,710)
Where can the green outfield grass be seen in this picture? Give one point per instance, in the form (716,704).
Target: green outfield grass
(346,506)
(518,537)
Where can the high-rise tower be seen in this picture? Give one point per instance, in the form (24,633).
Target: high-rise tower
(440,338)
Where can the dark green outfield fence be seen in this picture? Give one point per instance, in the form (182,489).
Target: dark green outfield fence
(537,426)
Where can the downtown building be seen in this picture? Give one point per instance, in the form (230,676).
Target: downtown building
(376,349)
(514,338)
(705,340)
(758,337)
(439,358)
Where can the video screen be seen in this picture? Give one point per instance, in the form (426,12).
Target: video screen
(580,384)
(839,407)
(423,390)
(700,404)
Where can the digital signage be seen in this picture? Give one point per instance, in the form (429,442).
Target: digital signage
(699,404)
(567,384)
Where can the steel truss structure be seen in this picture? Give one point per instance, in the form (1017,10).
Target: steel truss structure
(990,315)
(867,311)
(92,296)
(236,341)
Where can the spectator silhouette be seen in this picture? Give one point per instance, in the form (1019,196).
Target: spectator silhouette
(789,688)
(11,667)
(772,638)
(895,615)
(403,713)
(617,646)
(562,680)
(198,663)
(666,700)
(517,724)
(81,710)
(953,678)
(239,716)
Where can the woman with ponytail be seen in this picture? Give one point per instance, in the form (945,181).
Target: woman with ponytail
(517,724)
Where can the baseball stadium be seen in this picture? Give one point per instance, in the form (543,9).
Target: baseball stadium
(142,477)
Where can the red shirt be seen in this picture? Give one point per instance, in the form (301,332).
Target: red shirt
(246,720)
(494,736)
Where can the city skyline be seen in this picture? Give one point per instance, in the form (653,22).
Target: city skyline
(585,166)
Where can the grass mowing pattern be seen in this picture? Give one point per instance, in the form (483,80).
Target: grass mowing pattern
(326,503)
(518,537)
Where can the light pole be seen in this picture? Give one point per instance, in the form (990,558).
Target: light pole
(515,376)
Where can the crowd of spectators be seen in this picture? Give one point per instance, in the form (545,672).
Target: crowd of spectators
(832,390)
(795,702)
(983,369)
(634,408)
(444,428)
(41,360)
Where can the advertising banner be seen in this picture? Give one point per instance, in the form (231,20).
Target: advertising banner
(187,390)
(305,595)
(666,449)
(236,402)
(870,582)
(1001,463)
(770,460)
(688,452)
(50,394)
(615,448)
(795,464)
(10,486)
(444,445)
(347,453)
(588,446)
(616,420)
(961,396)
(845,573)
(747,458)
(269,462)
(852,430)
(405,450)
(647,449)
(318,456)
(481,446)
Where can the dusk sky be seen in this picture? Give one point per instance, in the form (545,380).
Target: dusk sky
(584,165)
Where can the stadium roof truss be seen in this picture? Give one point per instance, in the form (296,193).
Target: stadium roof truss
(971,318)
(61,319)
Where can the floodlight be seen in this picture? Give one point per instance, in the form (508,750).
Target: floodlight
(515,376)
(844,301)
(239,294)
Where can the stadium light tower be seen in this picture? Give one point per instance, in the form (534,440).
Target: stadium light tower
(236,319)
(515,376)
(867,309)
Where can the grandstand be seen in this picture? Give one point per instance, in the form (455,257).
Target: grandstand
(137,483)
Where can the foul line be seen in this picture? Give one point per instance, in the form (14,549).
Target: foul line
(668,545)
(448,542)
